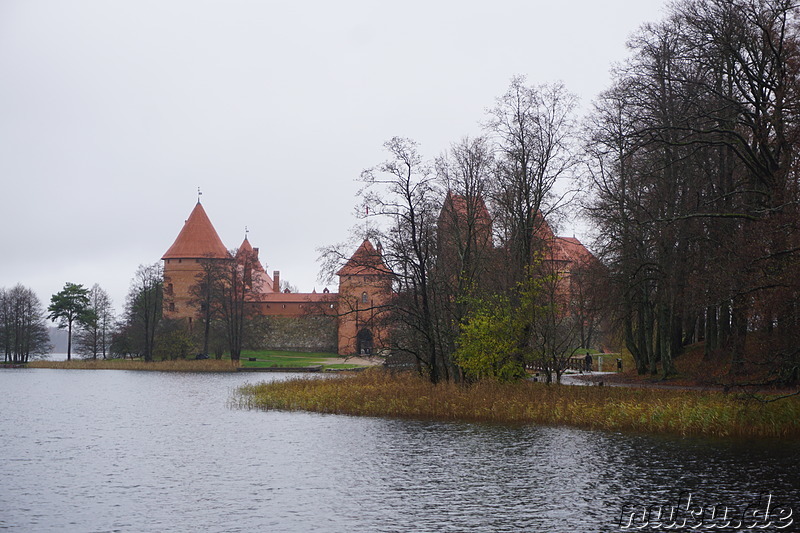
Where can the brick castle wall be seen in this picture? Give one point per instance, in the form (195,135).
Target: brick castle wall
(299,333)
(179,276)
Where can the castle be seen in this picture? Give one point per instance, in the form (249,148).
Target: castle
(350,321)
(346,322)
(466,229)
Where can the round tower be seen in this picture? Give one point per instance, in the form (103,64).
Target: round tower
(183,262)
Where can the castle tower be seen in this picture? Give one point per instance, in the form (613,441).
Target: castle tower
(197,241)
(255,276)
(365,288)
(465,239)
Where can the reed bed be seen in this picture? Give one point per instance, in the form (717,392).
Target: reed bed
(178,365)
(380,393)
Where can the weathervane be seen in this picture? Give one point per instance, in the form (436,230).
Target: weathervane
(199,194)
(246,231)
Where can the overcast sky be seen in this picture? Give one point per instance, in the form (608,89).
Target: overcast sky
(112,113)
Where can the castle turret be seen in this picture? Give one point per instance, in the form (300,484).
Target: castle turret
(365,286)
(197,238)
(254,274)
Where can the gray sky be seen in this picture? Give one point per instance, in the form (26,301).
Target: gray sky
(112,113)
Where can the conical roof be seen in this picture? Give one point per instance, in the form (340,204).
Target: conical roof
(366,260)
(247,248)
(244,248)
(197,239)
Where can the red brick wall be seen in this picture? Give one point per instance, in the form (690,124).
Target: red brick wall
(179,276)
(355,313)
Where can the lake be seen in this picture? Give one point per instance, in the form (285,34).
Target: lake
(107,450)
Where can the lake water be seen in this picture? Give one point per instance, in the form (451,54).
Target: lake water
(96,451)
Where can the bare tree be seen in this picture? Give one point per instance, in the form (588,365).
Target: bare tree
(23,333)
(555,330)
(143,308)
(533,128)
(205,294)
(588,296)
(693,152)
(94,337)
(402,191)
(232,294)
(465,248)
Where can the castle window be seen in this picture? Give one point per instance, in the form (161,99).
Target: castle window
(180,260)
(364,297)
(169,288)
(172,306)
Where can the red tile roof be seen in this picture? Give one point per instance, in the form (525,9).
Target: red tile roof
(262,283)
(562,249)
(457,204)
(247,248)
(366,261)
(197,239)
(542,229)
(570,249)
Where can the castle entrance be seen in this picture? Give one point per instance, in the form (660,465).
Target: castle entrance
(364,342)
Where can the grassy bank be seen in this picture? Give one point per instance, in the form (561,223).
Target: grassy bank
(179,365)
(272,359)
(379,393)
(264,358)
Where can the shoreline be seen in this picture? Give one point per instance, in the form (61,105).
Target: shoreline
(639,410)
(202,365)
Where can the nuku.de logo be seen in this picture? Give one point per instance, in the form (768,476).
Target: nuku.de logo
(691,514)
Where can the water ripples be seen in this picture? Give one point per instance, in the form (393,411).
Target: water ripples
(135,451)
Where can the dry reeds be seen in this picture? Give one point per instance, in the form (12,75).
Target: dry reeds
(379,393)
(178,365)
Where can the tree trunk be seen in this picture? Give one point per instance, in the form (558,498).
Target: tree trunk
(69,340)
(665,334)
(711,332)
(736,340)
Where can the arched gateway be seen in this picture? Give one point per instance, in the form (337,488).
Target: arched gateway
(365,342)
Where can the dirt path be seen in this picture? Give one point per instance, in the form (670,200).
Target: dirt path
(364,361)
(613,379)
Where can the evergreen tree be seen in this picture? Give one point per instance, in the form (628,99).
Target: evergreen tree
(70,307)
